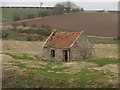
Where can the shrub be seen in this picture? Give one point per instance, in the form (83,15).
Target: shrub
(116,38)
(4,34)
(44,31)
(47,27)
(39,14)
(24,24)
(43,14)
(29,38)
(34,26)
(37,57)
(16,18)
(32,34)
(42,26)
(40,38)
(14,25)
(103,61)
(30,16)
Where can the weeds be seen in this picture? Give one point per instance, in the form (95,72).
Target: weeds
(22,56)
(100,40)
(103,61)
(53,75)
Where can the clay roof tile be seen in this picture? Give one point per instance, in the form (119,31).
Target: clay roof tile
(61,39)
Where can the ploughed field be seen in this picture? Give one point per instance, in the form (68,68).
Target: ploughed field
(96,23)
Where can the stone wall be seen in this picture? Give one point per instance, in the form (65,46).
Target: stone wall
(81,46)
(76,51)
(46,54)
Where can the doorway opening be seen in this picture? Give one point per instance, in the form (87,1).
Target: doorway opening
(65,55)
(52,53)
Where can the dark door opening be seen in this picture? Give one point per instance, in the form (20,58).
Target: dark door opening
(65,55)
(52,53)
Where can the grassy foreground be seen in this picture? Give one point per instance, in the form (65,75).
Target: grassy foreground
(30,71)
(103,61)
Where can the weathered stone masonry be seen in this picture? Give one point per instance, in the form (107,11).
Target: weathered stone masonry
(67,46)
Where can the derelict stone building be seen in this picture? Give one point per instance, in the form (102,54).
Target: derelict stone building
(67,46)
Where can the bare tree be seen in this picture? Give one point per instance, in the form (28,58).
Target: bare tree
(82,9)
(41,3)
(65,7)
(58,9)
(69,6)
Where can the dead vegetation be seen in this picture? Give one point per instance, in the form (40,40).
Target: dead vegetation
(107,50)
(22,47)
(22,63)
(51,74)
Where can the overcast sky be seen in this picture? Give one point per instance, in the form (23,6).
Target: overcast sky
(86,4)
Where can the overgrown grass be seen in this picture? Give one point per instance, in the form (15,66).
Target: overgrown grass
(15,36)
(102,40)
(22,56)
(42,78)
(53,74)
(31,34)
(103,61)
(23,37)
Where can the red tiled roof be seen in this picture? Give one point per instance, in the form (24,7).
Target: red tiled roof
(61,39)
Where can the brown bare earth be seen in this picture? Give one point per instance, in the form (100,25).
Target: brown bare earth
(102,24)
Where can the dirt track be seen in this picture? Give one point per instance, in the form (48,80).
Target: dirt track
(102,24)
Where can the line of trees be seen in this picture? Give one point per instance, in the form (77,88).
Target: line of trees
(59,8)
(66,7)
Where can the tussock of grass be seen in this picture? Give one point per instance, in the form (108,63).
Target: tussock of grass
(43,78)
(52,75)
(22,56)
(103,61)
(100,40)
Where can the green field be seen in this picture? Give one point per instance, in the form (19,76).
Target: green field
(103,61)
(103,40)
(52,74)
(9,13)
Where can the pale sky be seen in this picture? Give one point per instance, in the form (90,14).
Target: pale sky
(59,0)
(86,4)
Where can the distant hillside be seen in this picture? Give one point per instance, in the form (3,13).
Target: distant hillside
(97,23)
(8,14)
